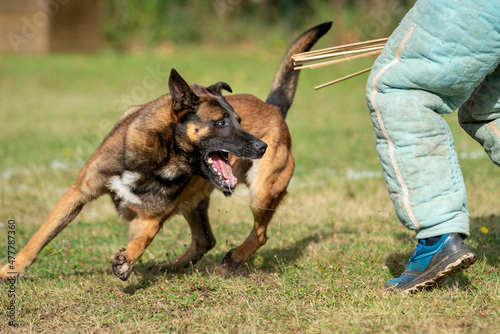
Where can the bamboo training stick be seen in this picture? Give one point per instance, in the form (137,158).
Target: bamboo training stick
(381,41)
(337,54)
(336,61)
(306,56)
(345,52)
(343,78)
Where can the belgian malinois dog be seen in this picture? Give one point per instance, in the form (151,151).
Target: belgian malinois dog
(165,157)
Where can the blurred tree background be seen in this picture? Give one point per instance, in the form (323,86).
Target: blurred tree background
(150,23)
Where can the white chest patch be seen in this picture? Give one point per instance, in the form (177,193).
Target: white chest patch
(120,185)
(253,173)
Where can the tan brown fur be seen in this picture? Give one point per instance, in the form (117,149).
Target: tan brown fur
(267,178)
(144,164)
(153,164)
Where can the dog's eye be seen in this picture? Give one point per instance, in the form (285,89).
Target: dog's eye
(220,123)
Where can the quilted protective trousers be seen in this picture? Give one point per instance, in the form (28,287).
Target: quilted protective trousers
(443,56)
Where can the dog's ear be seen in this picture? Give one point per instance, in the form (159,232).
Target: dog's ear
(182,95)
(216,88)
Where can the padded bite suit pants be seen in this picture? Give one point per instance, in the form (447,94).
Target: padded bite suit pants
(444,55)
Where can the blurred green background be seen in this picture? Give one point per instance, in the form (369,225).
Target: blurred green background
(333,242)
(128,24)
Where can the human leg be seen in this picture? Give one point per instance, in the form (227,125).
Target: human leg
(480,115)
(430,65)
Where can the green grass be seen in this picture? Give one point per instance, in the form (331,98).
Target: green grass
(332,244)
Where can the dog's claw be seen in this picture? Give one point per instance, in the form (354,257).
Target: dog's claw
(120,259)
(121,268)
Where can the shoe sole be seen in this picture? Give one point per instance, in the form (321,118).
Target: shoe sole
(460,264)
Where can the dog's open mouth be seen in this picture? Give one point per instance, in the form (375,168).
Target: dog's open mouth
(222,174)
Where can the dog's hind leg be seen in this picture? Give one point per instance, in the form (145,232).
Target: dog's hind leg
(143,229)
(65,211)
(267,190)
(202,238)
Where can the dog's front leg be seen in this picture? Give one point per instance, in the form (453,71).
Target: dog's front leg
(202,238)
(267,191)
(142,232)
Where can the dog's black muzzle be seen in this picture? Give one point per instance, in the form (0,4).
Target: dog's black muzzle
(255,149)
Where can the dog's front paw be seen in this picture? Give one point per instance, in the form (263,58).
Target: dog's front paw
(121,267)
(9,274)
(229,262)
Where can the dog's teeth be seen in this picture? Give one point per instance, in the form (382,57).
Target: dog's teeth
(209,160)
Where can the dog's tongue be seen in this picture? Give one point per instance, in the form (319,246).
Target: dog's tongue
(223,167)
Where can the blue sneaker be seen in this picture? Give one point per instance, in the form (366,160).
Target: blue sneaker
(431,263)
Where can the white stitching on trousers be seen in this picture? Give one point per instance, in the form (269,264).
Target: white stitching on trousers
(406,200)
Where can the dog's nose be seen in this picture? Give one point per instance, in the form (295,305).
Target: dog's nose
(260,146)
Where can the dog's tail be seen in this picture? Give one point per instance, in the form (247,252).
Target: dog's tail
(286,78)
